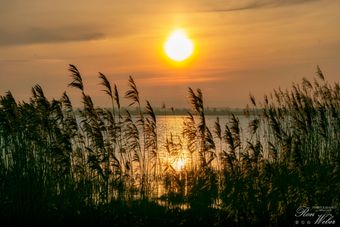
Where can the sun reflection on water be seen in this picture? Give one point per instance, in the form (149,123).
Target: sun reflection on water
(179,164)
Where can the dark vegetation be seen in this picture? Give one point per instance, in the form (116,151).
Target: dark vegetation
(97,166)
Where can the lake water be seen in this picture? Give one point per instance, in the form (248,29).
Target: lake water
(174,124)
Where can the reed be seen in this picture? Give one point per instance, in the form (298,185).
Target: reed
(61,162)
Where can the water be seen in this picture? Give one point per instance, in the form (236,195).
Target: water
(179,159)
(172,125)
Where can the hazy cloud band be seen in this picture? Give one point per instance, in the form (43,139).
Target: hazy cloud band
(249,5)
(47,35)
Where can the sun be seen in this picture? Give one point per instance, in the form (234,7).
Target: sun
(178,46)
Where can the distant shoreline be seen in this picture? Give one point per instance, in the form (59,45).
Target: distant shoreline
(184,111)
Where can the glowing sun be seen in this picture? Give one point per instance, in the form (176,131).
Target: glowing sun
(178,46)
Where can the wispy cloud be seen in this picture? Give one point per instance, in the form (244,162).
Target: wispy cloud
(254,4)
(47,35)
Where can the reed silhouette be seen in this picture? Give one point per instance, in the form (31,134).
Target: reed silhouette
(103,165)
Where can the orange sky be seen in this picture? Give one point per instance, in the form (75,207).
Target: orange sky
(243,47)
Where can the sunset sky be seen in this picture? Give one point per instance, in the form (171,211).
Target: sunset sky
(241,47)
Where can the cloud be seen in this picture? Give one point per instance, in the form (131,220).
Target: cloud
(34,35)
(255,4)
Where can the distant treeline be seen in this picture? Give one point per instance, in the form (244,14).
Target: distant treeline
(215,111)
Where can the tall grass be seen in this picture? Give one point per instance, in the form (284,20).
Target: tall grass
(56,160)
